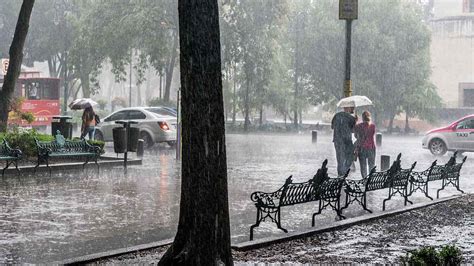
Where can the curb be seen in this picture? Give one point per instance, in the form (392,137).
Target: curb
(112,253)
(243,246)
(104,161)
(259,242)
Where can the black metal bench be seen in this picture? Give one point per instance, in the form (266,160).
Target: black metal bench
(447,173)
(62,148)
(9,155)
(394,179)
(320,188)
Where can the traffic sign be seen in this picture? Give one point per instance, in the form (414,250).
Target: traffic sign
(348,9)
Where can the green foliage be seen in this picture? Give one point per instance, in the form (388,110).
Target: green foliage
(160,102)
(448,255)
(25,140)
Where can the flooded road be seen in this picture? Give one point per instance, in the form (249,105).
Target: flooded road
(46,219)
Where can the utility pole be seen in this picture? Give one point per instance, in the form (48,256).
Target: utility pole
(348,12)
(130,79)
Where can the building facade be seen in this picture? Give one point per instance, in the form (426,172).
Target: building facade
(452,51)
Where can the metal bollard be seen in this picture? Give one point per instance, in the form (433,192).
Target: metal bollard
(140,148)
(384,162)
(378,139)
(314,136)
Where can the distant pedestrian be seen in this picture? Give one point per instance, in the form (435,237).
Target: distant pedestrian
(343,125)
(365,145)
(88,123)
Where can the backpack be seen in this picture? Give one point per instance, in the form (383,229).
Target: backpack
(97,119)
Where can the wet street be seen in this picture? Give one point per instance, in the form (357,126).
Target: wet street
(45,219)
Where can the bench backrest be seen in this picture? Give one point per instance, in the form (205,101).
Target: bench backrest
(295,193)
(453,171)
(401,177)
(61,145)
(4,148)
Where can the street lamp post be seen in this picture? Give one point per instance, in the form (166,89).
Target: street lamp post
(348,12)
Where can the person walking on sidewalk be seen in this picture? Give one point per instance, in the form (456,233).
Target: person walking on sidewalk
(343,125)
(365,145)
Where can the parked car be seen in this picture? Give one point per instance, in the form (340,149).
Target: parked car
(459,135)
(154,126)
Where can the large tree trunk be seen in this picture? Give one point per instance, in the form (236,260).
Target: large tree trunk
(203,236)
(234,98)
(85,83)
(247,105)
(16,57)
(169,71)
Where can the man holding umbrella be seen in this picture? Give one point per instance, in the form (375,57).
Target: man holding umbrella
(343,125)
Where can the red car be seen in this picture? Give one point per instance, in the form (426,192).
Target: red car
(457,136)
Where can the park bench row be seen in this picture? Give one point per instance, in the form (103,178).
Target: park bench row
(327,190)
(47,150)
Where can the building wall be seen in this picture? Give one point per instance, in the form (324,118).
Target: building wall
(452,50)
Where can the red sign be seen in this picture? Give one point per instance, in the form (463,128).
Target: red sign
(43,110)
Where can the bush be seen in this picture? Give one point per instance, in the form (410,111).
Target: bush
(25,140)
(448,255)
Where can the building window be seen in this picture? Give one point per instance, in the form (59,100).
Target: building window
(469,97)
(468,6)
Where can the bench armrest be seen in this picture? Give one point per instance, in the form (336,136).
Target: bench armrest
(355,185)
(91,148)
(264,199)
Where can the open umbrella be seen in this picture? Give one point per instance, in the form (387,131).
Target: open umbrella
(82,103)
(354,101)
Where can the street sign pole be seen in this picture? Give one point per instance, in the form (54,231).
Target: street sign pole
(348,11)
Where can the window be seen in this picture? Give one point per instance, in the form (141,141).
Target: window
(136,114)
(468,6)
(117,116)
(468,97)
(466,124)
(160,111)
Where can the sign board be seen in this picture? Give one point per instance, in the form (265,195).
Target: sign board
(4,66)
(348,9)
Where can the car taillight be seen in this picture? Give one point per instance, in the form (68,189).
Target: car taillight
(164,125)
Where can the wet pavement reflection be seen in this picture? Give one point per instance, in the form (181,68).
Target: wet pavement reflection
(45,219)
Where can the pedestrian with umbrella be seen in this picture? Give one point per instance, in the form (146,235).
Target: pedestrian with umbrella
(343,124)
(89,118)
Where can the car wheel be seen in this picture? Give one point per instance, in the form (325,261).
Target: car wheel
(438,147)
(147,140)
(171,143)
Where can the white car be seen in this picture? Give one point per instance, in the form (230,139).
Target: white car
(459,136)
(154,125)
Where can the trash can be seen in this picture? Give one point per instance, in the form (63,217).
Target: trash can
(120,139)
(61,124)
(133,139)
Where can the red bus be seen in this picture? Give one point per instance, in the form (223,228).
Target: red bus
(41,97)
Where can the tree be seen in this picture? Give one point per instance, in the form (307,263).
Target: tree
(16,57)
(203,236)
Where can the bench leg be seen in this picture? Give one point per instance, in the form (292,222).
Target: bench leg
(5,168)
(426,191)
(257,223)
(320,209)
(278,221)
(364,204)
(387,199)
(442,187)
(456,184)
(346,204)
(16,167)
(96,163)
(37,165)
(405,195)
(339,210)
(84,164)
(49,167)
